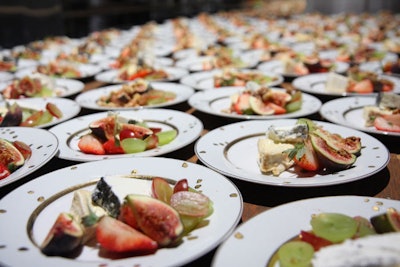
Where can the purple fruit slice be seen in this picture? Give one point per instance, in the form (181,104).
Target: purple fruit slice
(64,237)
(156,219)
(331,158)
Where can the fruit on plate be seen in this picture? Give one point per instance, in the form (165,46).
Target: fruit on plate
(64,237)
(13,155)
(158,220)
(118,135)
(261,100)
(116,236)
(139,225)
(308,147)
(15,115)
(333,230)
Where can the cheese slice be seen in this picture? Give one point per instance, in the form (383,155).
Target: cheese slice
(336,83)
(271,156)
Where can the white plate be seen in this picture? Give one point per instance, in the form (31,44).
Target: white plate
(63,87)
(6,76)
(315,84)
(348,111)
(39,216)
(232,151)
(254,242)
(111,76)
(43,144)
(86,70)
(215,101)
(89,99)
(205,80)
(189,129)
(158,62)
(68,107)
(277,66)
(250,59)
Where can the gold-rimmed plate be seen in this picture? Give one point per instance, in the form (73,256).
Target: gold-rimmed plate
(39,204)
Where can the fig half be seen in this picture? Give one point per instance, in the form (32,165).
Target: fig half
(331,158)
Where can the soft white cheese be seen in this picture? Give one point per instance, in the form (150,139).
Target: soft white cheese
(377,250)
(336,83)
(271,156)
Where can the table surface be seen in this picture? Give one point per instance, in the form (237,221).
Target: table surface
(258,198)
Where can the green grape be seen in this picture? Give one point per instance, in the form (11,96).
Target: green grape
(45,118)
(295,254)
(334,227)
(133,145)
(293,106)
(166,137)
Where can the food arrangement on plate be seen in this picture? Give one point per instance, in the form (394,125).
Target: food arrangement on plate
(13,156)
(15,115)
(335,236)
(99,227)
(115,134)
(307,147)
(137,93)
(262,100)
(232,77)
(140,224)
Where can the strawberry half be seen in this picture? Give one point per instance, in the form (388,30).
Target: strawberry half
(388,123)
(362,87)
(116,236)
(305,156)
(90,144)
(111,148)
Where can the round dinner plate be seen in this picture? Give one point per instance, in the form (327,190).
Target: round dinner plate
(316,84)
(43,144)
(216,102)
(232,150)
(277,66)
(89,99)
(86,71)
(63,87)
(254,242)
(205,80)
(39,204)
(68,107)
(188,127)
(348,111)
(111,76)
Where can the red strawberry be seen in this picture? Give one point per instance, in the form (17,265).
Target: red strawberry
(242,104)
(362,87)
(116,236)
(4,171)
(305,156)
(111,148)
(389,123)
(90,144)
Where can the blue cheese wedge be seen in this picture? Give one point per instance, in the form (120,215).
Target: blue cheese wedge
(288,134)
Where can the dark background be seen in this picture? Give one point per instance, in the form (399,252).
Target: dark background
(22,21)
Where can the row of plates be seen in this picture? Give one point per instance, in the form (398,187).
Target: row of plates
(32,217)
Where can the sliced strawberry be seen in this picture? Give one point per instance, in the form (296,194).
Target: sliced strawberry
(111,148)
(90,144)
(242,104)
(116,236)
(4,171)
(316,241)
(277,109)
(388,123)
(306,157)
(362,87)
